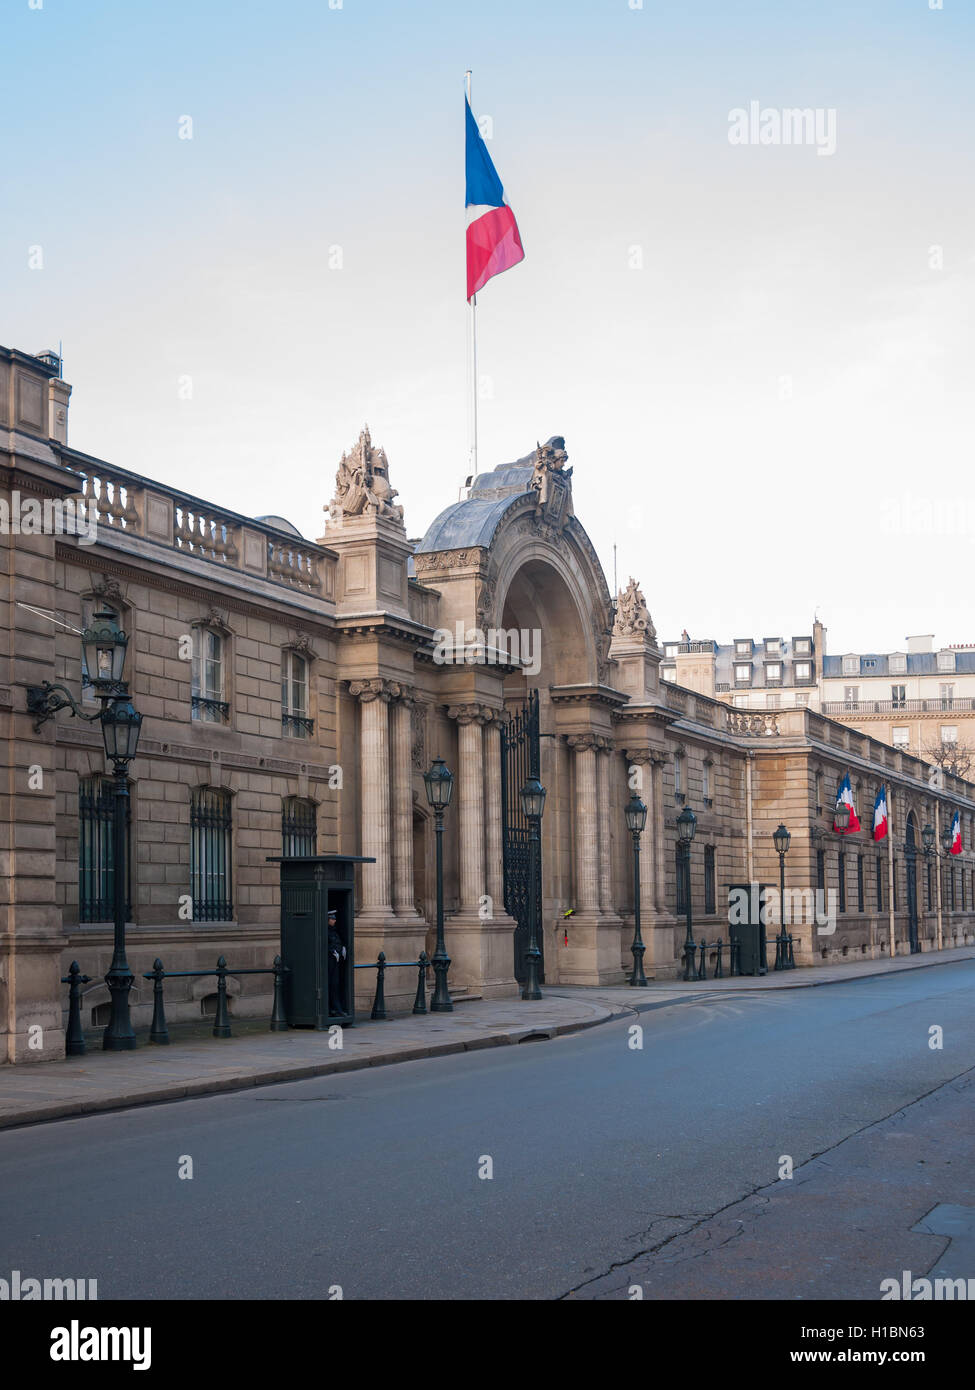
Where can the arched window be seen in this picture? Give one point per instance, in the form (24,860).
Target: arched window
(210,855)
(299,833)
(96,850)
(295,720)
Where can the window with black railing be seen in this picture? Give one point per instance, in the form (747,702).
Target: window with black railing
(299,831)
(952,888)
(211,825)
(207,702)
(879,865)
(709,879)
(928,885)
(860,903)
(96,850)
(842,881)
(821,870)
(295,719)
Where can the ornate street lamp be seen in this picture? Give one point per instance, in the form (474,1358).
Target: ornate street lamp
(686,826)
(841,817)
(781,839)
(927,838)
(636,818)
(439,783)
(104,646)
(121,725)
(532,805)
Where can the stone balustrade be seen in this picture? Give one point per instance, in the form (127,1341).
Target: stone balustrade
(126,502)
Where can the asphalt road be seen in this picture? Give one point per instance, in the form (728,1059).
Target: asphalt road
(370,1180)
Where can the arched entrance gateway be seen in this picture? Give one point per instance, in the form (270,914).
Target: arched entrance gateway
(526,644)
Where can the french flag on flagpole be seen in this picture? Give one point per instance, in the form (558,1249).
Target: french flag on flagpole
(845,794)
(493,242)
(880,814)
(955,835)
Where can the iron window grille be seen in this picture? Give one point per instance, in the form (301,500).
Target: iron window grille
(859,883)
(842,881)
(299,828)
(880,883)
(928,877)
(210,855)
(681,899)
(821,870)
(709,880)
(209,710)
(96,851)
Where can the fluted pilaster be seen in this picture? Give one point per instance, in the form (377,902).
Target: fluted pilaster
(401,714)
(586,823)
(374,696)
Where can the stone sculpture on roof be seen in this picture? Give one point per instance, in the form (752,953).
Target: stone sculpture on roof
(362,485)
(632,615)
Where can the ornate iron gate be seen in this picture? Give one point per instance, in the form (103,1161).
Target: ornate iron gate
(519,761)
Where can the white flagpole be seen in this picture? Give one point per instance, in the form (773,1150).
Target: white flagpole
(473,454)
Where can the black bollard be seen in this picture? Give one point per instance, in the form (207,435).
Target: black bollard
(702,969)
(718,967)
(690,955)
(158,1033)
(734,955)
(420,1002)
(792,958)
(379,1003)
(74,1038)
(221,1023)
(279,1019)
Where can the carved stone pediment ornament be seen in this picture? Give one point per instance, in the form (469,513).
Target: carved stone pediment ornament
(107,587)
(213,618)
(300,642)
(362,485)
(419,736)
(632,616)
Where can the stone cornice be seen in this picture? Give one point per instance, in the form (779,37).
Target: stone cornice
(587,695)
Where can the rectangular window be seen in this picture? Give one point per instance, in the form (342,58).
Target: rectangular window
(901,738)
(851,695)
(851,666)
(773,701)
(949,733)
(207,702)
(880,883)
(706,783)
(842,881)
(709,879)
(678,778)
(299,834)
(802,699)
(952,886)
(898,695)
(928,894)
(210,855)
(898,664)
(772,647)
(821,870)
(743,648)
(294,696)
(96,850)
(773,672)
(859,883)
(803,646)
(947,694)
(803,670)
(946,661)
(743,675)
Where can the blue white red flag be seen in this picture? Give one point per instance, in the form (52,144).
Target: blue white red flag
(880,814)
(845,794)
(955,835)
(493,242)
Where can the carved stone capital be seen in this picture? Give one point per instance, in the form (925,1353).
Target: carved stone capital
(376,688)
(472,714)
(581,743)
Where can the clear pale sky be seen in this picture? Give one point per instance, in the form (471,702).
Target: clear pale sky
(772,416)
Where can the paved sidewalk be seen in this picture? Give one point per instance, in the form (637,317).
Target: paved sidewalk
(196,1064)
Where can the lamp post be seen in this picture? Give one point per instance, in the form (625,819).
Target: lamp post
(532,804)
(439,783)
(121,725)
(104,646)
(636,818)
(841,817)
(686,826)
(781,839)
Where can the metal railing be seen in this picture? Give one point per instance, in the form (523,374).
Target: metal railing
(381,966)
(933,706)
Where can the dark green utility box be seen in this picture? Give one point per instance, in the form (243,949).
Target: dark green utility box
(746,926)
(319,984)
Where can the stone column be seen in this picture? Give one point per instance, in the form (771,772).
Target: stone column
(374,696)
(586,823)
(470,804)
(494,867)
(659,876)
(401,712)
(606,811)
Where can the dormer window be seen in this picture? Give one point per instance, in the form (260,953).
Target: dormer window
(851,666)
(898,664)
(743,674)
(946,661)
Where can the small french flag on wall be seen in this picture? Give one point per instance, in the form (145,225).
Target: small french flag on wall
(493,241)
(880,814)
(956,835)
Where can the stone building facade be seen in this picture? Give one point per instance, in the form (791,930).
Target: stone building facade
(294,692)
